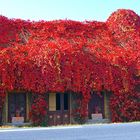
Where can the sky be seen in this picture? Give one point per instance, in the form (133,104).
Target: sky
(79,10)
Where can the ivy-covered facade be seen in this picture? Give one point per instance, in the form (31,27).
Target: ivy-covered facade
(63,71)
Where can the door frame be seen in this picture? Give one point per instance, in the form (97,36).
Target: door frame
(55,113)
(92,100)
(15,97)
(5,111)
(106,108)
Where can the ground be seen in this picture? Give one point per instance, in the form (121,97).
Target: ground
(125,131)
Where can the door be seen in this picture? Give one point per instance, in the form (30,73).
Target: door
(16,105)
(96,106)
(59,108)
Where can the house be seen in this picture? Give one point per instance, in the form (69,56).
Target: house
(69,71)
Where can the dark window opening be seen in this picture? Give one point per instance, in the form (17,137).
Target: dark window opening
(58,102)
(66,101)
(16,105)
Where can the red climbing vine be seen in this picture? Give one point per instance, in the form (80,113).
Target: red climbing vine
(39,111)
(80,56)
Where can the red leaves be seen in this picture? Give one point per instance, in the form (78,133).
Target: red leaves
(124,20)
(38,110)
(125,107)
(68,55)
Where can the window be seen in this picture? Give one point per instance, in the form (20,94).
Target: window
(65,101)
(58,101)
(52,102)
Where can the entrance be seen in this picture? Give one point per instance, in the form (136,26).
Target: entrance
(59,108)
(96,106)
(16,106)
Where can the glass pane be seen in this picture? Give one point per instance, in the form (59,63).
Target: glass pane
(66,106)
(20,104)
(58,101)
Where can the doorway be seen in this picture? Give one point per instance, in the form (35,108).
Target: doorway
(96,106)
(59,108)
(16,106)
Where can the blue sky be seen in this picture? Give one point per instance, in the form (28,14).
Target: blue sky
(65,9)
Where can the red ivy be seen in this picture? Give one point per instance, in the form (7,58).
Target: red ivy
(65,55)
(38,111)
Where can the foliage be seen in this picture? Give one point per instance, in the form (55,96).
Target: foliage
(77,114)
(69,55)
(125,107)
(38,111)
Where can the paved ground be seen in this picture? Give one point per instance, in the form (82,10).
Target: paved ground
(128,131)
